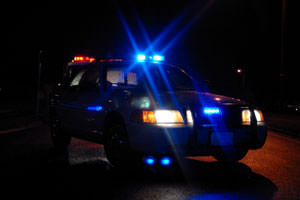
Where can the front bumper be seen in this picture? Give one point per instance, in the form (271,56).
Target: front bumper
(186,140)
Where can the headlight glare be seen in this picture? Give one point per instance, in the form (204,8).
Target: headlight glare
(246,117)
(189,117)
(162,117)
(259,116)
(168,116)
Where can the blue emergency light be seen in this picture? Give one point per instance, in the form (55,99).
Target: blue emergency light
(149,160)
(155,58)
(211,111)
(141,57)
(165,161)
(95,108)
(158,58)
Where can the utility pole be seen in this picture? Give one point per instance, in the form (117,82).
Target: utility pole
(282,50)
(37,108)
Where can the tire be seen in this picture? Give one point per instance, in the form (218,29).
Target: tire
(230,155)
(60,139)
(116,144)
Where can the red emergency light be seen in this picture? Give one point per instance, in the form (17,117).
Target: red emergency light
(81,59)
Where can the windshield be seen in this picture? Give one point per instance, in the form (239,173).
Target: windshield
(160,77)
(177,79)
(75,73)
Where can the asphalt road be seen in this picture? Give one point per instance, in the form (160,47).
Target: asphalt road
(31,168)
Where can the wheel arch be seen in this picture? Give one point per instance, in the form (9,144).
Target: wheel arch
(113,116)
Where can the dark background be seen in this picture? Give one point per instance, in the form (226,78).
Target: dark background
(216,37)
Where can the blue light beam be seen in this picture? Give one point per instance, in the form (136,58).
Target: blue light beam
(165,161)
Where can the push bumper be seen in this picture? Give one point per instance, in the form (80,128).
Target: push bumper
(186,140)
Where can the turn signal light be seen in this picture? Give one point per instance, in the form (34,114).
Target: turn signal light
(148,116)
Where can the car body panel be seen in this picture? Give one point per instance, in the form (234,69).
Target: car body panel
(207,134)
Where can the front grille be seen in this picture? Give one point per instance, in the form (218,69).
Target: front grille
(230,117)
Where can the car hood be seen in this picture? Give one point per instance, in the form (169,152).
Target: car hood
(203,98)
(192,98)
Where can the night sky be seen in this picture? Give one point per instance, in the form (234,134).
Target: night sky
(213,38)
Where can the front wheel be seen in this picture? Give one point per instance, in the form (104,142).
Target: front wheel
(116,145)
(230,155)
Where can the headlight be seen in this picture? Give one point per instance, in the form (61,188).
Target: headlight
(246,116)
(259,116)
(162,117)
(189,117)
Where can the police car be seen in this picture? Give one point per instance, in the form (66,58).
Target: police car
(148,111)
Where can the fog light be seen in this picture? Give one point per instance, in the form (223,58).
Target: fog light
(166,161)
(149,160)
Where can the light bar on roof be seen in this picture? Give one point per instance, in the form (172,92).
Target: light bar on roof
(141,57)
(83,59)
(156,58)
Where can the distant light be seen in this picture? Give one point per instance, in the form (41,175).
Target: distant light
(239,71)
(149,160)
(94,108)
(218,99)
(211,110)
(158,58)
(165,161)
(141,57)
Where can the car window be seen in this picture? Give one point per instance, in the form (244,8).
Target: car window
(115,76)
(178,79)
(74,74)
(154,76)
(76,80)
(118,77)
(132,78)
(90,79)
(168,78)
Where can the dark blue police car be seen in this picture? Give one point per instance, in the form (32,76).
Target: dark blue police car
(149,111)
